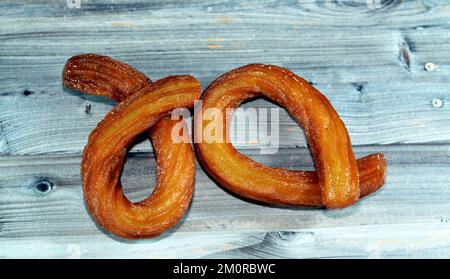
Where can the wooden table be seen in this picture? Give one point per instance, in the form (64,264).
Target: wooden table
(385,67)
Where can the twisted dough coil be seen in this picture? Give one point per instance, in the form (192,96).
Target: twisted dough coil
(340,180)
(143,106)
(335,185)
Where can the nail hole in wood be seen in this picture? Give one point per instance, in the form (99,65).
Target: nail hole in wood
(27,92)
(437,103)
(359,86)
(430,67)
(87,108)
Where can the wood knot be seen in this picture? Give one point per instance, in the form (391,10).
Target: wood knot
(404,54)
(42,186)
(364,5)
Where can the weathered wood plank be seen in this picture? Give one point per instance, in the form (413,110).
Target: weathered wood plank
(35,56)
(395,14)
(366,72)
(47,122)
(369,61)
(422,240)
(416,191)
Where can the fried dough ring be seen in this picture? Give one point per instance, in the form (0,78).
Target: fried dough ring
(102,75)
(339,181)
(105,152)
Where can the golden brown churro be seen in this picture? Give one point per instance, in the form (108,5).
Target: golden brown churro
(340,179)
(101,75)
(105,152)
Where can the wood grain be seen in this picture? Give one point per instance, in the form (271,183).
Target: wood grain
(379,114)
(369,61)
(374,76)
(416,192)
(421,240)
(418,178)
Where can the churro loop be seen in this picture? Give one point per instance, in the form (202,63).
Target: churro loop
(105,154)
(339,181)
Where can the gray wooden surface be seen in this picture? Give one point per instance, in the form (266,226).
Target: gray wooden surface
(368,60)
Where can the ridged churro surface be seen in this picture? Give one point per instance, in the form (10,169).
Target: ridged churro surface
(105,152)
(104,76)
(339,181)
